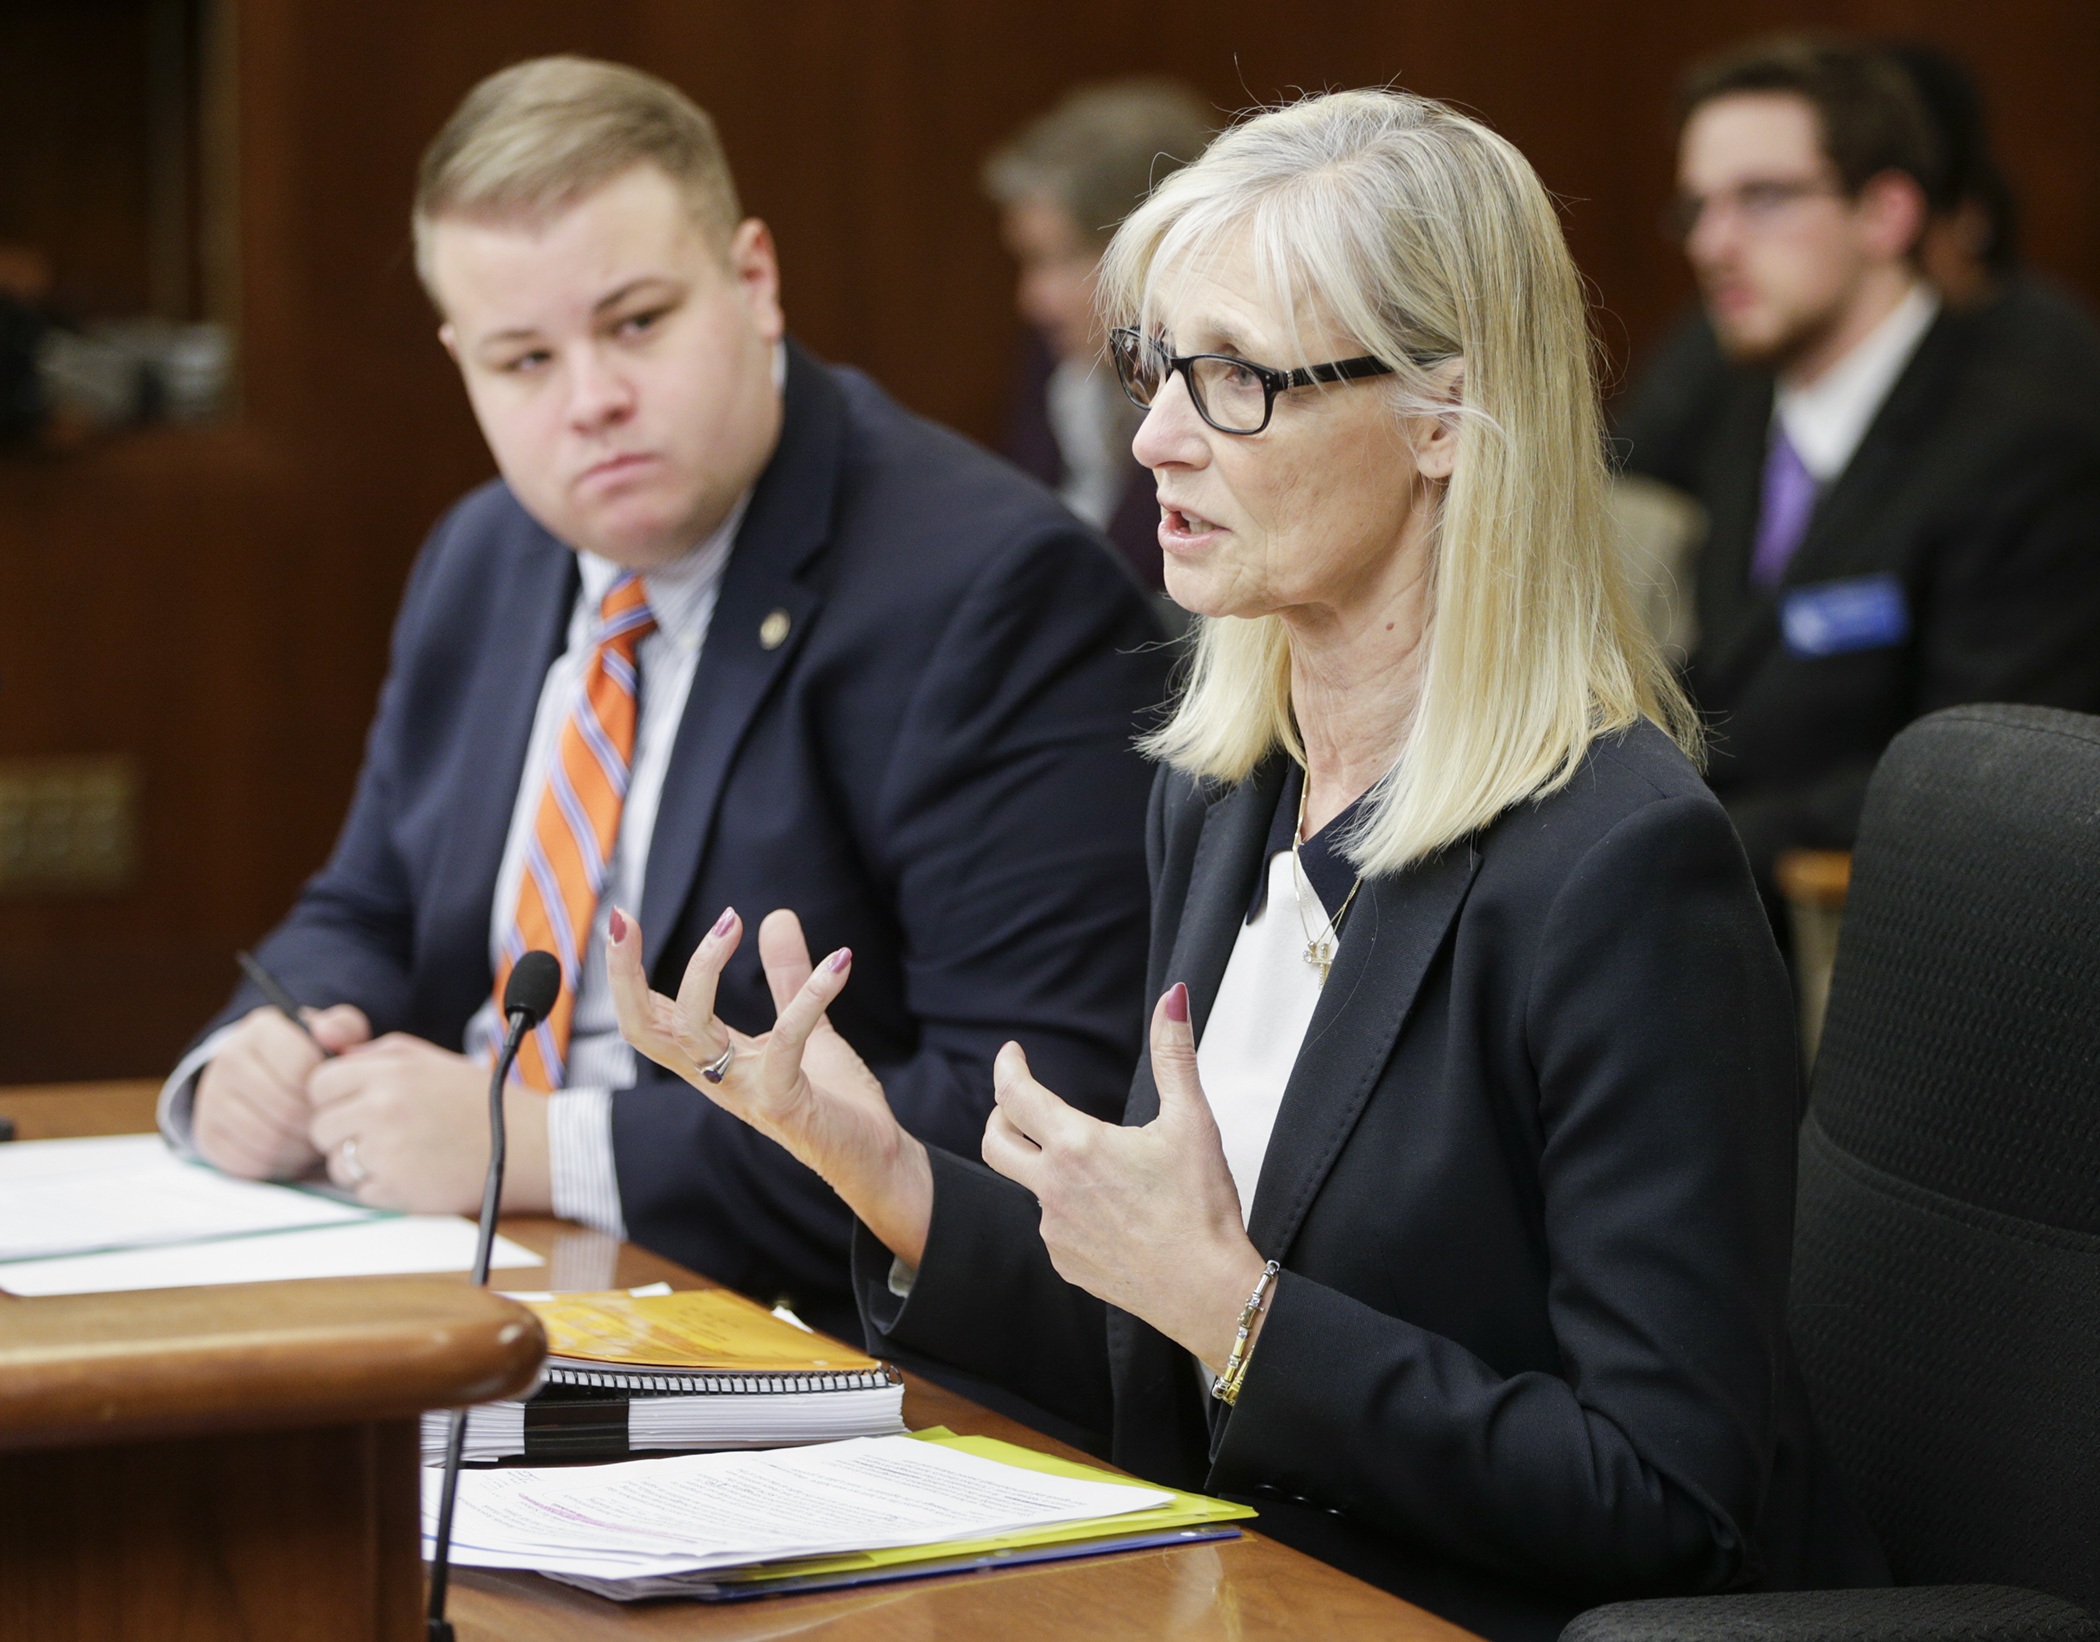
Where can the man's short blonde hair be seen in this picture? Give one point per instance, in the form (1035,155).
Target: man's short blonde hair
(533,139)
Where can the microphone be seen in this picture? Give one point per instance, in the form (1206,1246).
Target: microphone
(534,984)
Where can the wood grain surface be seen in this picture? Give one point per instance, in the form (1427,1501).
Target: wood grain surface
(100,1368)
(294,1536)
(1251,1589)
(1817,878)
(58,1111)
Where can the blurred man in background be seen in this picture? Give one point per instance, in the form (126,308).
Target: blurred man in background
(1969,252)
(1062,185)
(1899,519)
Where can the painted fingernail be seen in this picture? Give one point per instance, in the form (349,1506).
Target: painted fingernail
(1178,1002)
(840,959)
(617,924)
(722,923)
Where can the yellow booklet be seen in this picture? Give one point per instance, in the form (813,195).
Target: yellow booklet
(707,1331)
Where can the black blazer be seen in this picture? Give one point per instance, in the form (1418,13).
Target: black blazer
(1531,1186)
(1976,489)
(934,768)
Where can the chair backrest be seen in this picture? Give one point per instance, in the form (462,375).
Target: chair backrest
(1946,1300)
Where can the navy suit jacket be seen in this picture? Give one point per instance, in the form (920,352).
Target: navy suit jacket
(1531,1187)
(935,767)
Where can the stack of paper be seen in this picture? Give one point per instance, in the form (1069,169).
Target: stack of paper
(725,1516)
(123,1212)
(129,1191)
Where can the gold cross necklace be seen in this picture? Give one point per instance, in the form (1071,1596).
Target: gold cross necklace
(1319,949)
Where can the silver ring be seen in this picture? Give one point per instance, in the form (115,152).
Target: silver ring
(354,1172)
(718,1068)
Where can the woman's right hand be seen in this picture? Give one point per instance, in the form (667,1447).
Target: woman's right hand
(800,1084)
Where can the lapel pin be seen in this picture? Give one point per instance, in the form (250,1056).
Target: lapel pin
(773,631)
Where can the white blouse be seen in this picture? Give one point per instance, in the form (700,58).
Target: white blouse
(1264,1004)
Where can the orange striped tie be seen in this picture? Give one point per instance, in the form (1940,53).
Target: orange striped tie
(577,825)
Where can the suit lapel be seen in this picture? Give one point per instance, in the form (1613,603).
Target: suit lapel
(1734,617)
(1163,1428)
(1162,1425)
(788,521)
(1387,947)
(532,606)
(1221,882)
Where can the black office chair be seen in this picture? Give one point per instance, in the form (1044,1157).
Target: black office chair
(1946,1293)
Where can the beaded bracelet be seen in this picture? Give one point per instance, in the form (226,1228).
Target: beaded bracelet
(1226,1388)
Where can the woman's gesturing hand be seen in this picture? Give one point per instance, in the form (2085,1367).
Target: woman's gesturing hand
(800,1084)
(1147,1219)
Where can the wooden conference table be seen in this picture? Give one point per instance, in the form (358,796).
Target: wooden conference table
(1243,1590)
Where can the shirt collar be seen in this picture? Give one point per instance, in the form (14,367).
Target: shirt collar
(1826,420)
(681,593)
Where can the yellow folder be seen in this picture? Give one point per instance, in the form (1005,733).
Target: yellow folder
(1182,1511)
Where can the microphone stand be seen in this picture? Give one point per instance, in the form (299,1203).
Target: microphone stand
(437,1627)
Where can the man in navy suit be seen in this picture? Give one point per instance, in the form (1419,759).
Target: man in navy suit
(881,673)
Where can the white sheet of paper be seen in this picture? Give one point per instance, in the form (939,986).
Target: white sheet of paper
(129,1191)
(723,1510)
(371,1248)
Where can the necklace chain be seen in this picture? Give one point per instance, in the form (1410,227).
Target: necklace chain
(1319,949)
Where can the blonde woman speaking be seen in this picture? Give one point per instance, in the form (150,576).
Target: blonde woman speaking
(1449,1218)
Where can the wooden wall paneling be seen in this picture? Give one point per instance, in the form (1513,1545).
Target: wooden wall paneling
(75,181)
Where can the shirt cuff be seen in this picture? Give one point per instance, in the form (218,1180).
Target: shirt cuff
(902,1277)
(584,1182)
(178,1096)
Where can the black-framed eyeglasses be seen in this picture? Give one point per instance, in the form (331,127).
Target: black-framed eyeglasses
(1232,395)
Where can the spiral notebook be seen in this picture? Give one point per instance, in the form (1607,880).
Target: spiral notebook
(630,1374)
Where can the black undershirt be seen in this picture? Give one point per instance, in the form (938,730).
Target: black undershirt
(1331,873)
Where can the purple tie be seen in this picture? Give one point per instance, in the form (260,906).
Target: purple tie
(1788,498)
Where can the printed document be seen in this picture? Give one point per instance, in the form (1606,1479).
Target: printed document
(128,1191)
(723,1510)
(123,1212)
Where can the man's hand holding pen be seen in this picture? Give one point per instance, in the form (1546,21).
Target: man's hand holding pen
(253,1115)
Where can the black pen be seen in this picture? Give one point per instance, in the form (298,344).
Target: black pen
(280,1000)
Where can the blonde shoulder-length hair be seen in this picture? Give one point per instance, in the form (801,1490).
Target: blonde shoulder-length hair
(1430,241)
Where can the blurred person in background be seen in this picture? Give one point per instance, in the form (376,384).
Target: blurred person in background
(1062,185)
(1969,252)
(1970,249)
(1901,514)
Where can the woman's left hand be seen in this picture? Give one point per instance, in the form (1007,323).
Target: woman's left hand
(1147,1219)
